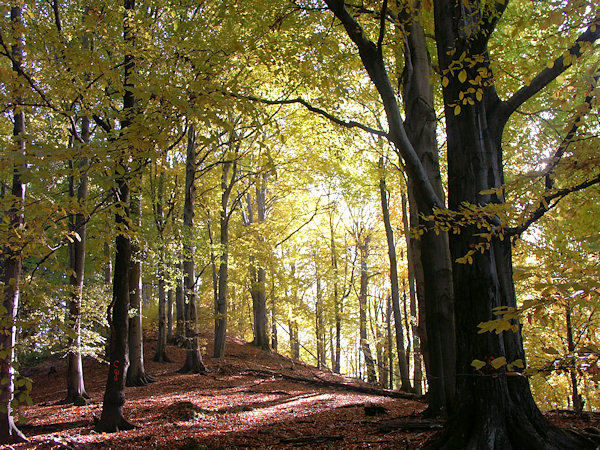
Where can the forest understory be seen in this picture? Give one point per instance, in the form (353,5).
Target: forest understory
(249,399)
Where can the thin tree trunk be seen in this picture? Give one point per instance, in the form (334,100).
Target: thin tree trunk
(221,305)
(159,219)
(294,336)
(319,325)
(193,359)
(336,301)
(76,393)
(389,346)
(180,304)
(577,397)
(136,373)
(11,256)
(363,248)
(395,288)
(170,330)
(417,325)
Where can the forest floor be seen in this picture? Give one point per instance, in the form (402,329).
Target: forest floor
(248,399)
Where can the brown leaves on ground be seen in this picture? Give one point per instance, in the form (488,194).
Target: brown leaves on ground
(249,399)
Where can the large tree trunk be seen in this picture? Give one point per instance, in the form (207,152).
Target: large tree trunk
(394,286)
(420,125)
(136,373)
(11,257)
(193,359)
(112,418)
(438,294)
(76,393)
(494,409)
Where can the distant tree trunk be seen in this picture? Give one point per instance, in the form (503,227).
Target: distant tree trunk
(336,301)
(389,346)
(221,304)
(577,397)
(395,288)
(414,266)
(11,255)
(76,393)
(136,373)
(258,274)
(379,345)
(159,219)
(363,248)
(319,322)
(412,139)
(170,331)
(180,304)
(294,336)
(193,359)
(112,418)
(274,340)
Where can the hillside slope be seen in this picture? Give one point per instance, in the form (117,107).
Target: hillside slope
(249,399)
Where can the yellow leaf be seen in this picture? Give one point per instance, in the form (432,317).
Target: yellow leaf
(477,364)
(462,76)
(479,95)
(498,362)
(457,110)
(445,81)
(550,64)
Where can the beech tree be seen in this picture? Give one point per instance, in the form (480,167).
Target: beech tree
(11,257)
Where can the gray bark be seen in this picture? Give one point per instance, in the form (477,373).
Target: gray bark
(193,359)
(136,373)
(75,384)
(11,256)
(395,288)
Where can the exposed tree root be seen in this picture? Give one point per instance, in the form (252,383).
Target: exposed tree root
(513,431)
(75,399)
(10,434)
(113,424)
(139,380)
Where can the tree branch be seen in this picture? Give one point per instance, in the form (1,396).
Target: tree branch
(548,202)
(546,76)
(311,108)
(587,104)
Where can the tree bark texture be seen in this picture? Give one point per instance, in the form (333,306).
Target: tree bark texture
(221,304)
(76,393)
(394,286)
(428,198)
(136,373)
(193,360)
(159,220)
(494,410)
(363,249)
(11,256)
(112,418)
